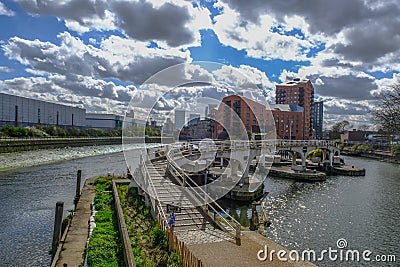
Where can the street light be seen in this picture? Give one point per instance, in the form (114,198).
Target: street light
(290,130)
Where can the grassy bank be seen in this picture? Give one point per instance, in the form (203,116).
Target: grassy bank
(149,243)
(105,247)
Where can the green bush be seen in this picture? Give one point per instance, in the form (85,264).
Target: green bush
(159,238)
(13,131)
(395,149)
(315,153)
(361,148)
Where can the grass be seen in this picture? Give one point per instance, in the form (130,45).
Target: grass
(149,243)
(105,247)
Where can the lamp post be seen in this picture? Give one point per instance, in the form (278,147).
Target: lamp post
(290,130)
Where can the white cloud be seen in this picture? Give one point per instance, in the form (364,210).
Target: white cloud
(117,57)
(5,69)
(5,11)
(258,39)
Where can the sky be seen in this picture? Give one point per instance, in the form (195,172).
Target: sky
(99,54)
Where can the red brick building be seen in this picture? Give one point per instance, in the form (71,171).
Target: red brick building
(288,121)
(252,116)
(255,118)
(301,93)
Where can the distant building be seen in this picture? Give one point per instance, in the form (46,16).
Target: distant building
(180,119)
(103,120)
(168,126)
(201,130)
(353,137)
(194,118)
(318,119)
(22,111)
(301,93)
(208,110)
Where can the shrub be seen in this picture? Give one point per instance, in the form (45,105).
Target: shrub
(395,149)
(362,148)
(315,153)
(158,238)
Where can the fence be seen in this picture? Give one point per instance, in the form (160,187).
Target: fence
(179,247)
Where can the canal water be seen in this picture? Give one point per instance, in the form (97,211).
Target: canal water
(365,211)
(28,197)
(362,210)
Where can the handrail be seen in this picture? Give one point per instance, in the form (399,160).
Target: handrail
(153,188)
(205,196)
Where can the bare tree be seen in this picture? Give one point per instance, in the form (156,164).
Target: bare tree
(387,115)
(339,128)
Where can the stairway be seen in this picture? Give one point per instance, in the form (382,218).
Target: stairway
(191,226)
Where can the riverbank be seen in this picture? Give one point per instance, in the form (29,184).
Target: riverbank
(383,156)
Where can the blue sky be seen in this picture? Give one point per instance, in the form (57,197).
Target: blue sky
(96,54)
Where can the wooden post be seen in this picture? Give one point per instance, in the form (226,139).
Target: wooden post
(78,187)
(57,226)
(238,241)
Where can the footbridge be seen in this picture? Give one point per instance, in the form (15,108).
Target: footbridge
(174,180)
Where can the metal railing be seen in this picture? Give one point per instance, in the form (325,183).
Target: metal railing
(207,199)
(148,180)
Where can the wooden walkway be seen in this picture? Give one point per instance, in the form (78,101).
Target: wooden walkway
(73,248)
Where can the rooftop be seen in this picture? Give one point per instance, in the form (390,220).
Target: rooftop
(295,81)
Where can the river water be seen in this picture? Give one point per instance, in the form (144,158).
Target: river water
(28,196)
(362,210)
(365,211)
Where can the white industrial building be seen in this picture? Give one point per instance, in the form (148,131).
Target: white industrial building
(103,120)
(22,111)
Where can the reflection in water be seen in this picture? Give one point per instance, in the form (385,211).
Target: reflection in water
(363,210)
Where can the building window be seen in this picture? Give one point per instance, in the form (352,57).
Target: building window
(248,115)
(38,115)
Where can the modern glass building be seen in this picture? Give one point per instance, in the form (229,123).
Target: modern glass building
(318,119)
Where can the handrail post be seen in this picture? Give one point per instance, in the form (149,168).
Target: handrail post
(238,241)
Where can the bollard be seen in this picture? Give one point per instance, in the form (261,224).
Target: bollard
(57,227)
(78,187)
